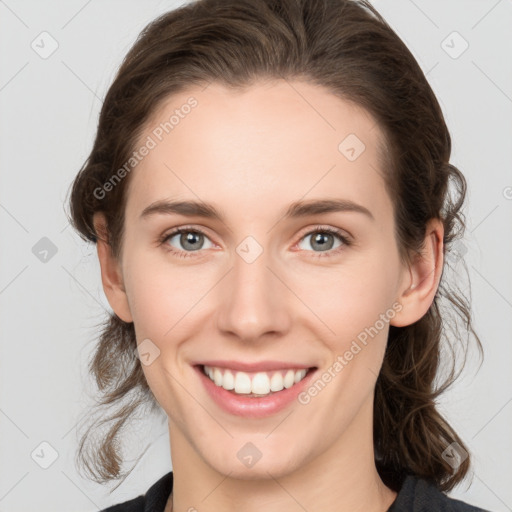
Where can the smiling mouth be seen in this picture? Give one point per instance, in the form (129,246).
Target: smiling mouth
(255,384)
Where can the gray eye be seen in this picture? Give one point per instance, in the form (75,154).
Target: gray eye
(189,240)
(322,240)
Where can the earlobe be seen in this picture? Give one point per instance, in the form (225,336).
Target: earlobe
(111,275)
(419,289)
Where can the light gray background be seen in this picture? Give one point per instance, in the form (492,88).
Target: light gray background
(49,310)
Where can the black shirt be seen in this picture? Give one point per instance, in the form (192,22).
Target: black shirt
(415,495)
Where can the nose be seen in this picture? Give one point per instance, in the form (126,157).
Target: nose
(254,302)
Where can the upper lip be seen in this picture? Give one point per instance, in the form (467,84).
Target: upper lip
(260,366)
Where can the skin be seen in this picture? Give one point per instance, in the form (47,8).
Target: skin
(251,154)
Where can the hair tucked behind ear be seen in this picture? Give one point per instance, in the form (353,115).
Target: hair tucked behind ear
(347,48)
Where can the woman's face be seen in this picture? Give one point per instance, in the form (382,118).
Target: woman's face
(264,282)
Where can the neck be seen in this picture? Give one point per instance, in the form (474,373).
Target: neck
(342,478)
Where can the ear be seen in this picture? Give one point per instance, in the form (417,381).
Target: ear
(111,275)
(422,277)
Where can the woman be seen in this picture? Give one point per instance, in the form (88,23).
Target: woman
(269,191)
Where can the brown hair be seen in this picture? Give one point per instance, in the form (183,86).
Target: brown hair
(346,47)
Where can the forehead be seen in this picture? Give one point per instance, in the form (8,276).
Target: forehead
(269,143)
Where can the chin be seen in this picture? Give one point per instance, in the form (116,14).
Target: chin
(272,465)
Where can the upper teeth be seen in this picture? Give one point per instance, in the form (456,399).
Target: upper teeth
(260,383)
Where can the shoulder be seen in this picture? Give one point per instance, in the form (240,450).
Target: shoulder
(418,495)
(134,505)
(153,500)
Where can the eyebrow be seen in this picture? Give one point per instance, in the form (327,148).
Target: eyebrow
(297,209)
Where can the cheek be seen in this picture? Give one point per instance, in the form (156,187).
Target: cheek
(348,298)
(165,304)
(162,295)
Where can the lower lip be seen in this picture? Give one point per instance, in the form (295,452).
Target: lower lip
(253,407)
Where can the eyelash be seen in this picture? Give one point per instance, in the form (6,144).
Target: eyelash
(346,242)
